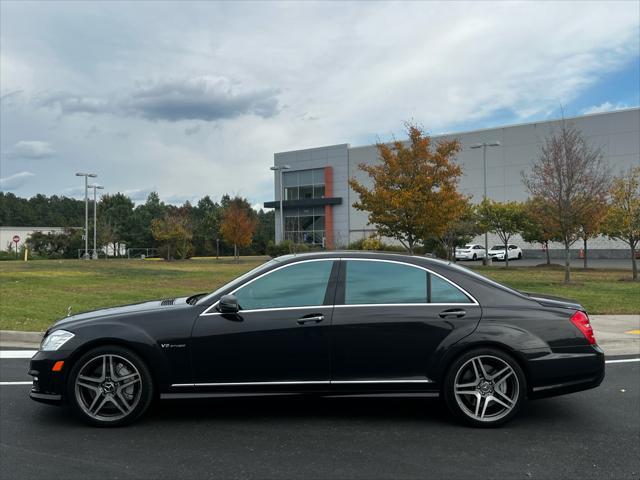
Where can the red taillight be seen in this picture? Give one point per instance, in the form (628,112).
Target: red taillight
(581,321)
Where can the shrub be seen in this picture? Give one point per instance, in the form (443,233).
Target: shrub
(285,248)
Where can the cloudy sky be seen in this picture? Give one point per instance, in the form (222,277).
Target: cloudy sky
(194,98)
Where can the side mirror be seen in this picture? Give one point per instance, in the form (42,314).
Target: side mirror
(228,304)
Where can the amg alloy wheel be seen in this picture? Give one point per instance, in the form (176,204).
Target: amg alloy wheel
(485,388)
(110,386)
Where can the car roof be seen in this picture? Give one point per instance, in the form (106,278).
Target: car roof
(398,256)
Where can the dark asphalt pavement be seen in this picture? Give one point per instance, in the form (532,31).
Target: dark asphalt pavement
(592,434)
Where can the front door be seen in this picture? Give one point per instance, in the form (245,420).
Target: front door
(389,319)
(279,337)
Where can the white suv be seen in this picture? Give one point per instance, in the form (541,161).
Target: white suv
(471,251)
(497,252)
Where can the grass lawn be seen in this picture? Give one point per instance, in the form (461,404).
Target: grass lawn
(36,293)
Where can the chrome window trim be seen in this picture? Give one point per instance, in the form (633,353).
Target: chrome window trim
(474,302)
(301,382)
(207,312)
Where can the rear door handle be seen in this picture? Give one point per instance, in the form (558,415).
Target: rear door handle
(316,318)
(453,312)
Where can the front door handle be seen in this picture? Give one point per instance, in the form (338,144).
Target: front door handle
(453,312)
(316,318)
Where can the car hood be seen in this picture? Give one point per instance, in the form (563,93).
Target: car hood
(551,301)
(122,310)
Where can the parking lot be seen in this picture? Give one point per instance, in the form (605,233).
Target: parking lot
(592,434)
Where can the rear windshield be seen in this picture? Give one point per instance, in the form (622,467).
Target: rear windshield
(476,275)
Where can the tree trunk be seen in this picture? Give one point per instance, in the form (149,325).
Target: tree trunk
(546,249)
(584,252)
(567,264)
(235,251)
(506,255)
(634,263)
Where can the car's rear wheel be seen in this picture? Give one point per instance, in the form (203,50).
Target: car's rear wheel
(110,386)
(519,255)
(485,387)
(475,257)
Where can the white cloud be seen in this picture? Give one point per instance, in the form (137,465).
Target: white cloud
(604,107)
(31,150)
(202,94)
(15,181)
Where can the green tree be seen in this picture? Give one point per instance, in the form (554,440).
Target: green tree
(504,219)
(414,194)
(116,211)
(174,234)
(206,226)
(622,221)
(460,231)
(538,225)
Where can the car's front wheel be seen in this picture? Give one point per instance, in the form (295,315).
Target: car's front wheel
(110,386)
(485,387)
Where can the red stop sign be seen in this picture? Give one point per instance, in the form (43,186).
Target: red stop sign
(16,238)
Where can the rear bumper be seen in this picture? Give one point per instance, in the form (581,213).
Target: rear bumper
(572,369)
(48,386)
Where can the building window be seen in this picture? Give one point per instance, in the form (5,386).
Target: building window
(304,225)
(303,184)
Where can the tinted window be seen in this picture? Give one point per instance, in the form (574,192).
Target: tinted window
(383,282)
(444,292)
(298,285)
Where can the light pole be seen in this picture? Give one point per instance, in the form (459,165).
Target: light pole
(281,168)
(95,187)
(86,210)
(484,145)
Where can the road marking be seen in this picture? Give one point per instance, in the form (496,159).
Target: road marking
(16,383)
(633,332)
(17,353)
(624,360)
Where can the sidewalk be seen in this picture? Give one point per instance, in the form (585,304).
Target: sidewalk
(612,333)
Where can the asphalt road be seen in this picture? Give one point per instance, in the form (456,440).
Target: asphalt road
(593,434)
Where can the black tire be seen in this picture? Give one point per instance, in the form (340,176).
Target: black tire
(119,400)
(475,257)
(520,256)
(510,390)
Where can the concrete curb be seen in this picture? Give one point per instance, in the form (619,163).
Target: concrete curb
(609,330)
(13,338)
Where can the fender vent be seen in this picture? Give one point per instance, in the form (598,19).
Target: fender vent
(166,303)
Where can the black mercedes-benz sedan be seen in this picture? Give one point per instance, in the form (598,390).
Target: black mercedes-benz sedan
(336,323)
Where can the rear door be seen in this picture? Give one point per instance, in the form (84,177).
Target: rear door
(389,319)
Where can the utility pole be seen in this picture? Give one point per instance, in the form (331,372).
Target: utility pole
(95,187)
(281,168)
(484,145)
(86,210)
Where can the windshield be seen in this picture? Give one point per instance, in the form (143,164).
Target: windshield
(238,280)
(497,247)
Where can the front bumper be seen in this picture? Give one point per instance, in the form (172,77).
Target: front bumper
(48,386)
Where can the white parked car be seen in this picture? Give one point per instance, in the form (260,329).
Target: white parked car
(497,252)
(471,251)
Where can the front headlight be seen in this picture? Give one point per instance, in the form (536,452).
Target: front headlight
(55,340)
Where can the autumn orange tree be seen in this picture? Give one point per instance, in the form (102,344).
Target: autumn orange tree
(414,194)
(239,223)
